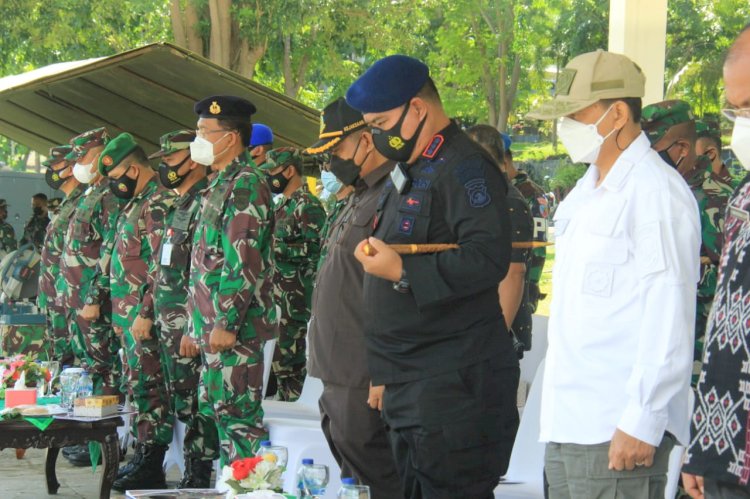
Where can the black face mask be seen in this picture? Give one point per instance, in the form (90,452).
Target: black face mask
(168,175)
(346,170)
(123,187)
(391,144)
(37,210)
(277,183)
(53,178)
(664,153)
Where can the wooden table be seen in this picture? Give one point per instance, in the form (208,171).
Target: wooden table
(20,434)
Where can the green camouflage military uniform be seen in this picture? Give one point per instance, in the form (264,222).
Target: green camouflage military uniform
(131,271)
(47,299)
(537,201)
(170,294)
(35,230)
(712,192)
(296,237)
(93,222)
(7,234)
(231,289)
(333,213)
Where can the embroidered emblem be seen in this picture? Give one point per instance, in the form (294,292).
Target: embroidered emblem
(421,184)
(215,108)
(476,190)
(107,160)
(428,169)
(395,142)
(406,225)
(412,202)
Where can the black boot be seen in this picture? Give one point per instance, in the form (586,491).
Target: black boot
(148,473)
(73,449)
(83,458)
(197,474)
(133,463)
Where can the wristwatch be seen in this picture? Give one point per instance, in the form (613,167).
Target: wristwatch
(402,286)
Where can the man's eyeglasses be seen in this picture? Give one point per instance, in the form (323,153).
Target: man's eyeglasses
(202,133)
(733,114)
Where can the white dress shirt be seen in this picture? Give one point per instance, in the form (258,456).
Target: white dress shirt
(622,317)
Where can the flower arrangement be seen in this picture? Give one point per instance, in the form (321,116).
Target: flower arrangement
(253,474)
(13,368)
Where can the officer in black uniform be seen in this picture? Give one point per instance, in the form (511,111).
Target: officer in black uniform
(435,333)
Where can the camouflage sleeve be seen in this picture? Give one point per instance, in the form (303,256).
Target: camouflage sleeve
(155,223)
(245,241)
(8,239)
(105,223)
(311,217)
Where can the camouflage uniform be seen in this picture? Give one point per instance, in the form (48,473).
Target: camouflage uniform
(170,296)
(35,230)
(92,224)
(539,211)
(712,192)
(231,289)
(130,273)
(7,234)
(48,273)
(296,250)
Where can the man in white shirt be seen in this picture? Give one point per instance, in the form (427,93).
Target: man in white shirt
(615,392)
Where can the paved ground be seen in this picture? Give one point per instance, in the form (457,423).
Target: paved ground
(24,478)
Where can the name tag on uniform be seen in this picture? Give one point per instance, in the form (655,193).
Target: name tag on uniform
(739,213)
(166,254)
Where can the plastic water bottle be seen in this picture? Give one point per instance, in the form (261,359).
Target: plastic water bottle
(350,490)
(85,386)
(263,449)
(303,492)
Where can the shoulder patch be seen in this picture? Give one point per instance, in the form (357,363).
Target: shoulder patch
(476,191)
(242,198)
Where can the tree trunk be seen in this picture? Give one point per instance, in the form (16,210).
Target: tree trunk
(287,64)
(192,36)
(221,31)
(178,24)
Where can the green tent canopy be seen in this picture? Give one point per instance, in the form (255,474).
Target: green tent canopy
(147,91)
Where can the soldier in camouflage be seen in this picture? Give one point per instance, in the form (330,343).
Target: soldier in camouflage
(670,126)
(708,144)
(7,234)
(180,354)
(36,227)
(299,219)
(59,176)
(231,288)
(539,205)
(127,274)
(91,225)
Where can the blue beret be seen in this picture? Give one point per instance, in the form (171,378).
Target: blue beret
(506,141)
(261,135)
(388,84)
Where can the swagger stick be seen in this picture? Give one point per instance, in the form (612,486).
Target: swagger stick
(415,249)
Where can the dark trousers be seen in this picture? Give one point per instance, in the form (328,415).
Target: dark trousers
(358,440)
(722,490)
(452,434)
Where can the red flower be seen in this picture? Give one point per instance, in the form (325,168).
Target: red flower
(16,375)
(242,468)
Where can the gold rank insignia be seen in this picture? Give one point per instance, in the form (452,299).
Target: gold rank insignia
(215,108)
(107,161)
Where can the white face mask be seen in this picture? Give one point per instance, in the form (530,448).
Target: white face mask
(202,151)
(741,141)
(582,141)
(82,172)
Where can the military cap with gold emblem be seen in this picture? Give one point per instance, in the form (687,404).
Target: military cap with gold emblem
(115,151)
(224,107)
(171,142)
(87,140)
(57,154)
(337,120)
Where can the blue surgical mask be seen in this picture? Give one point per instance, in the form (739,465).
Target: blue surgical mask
(330,182)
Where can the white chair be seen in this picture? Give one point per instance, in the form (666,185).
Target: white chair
(306,407)
(304,439)
(524,476)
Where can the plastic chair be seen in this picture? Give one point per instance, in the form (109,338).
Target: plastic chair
(306,407)
(524,476)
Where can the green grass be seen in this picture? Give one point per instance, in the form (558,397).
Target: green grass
(545,283)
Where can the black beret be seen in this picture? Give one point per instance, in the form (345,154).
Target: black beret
(224,107)
(388,84)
